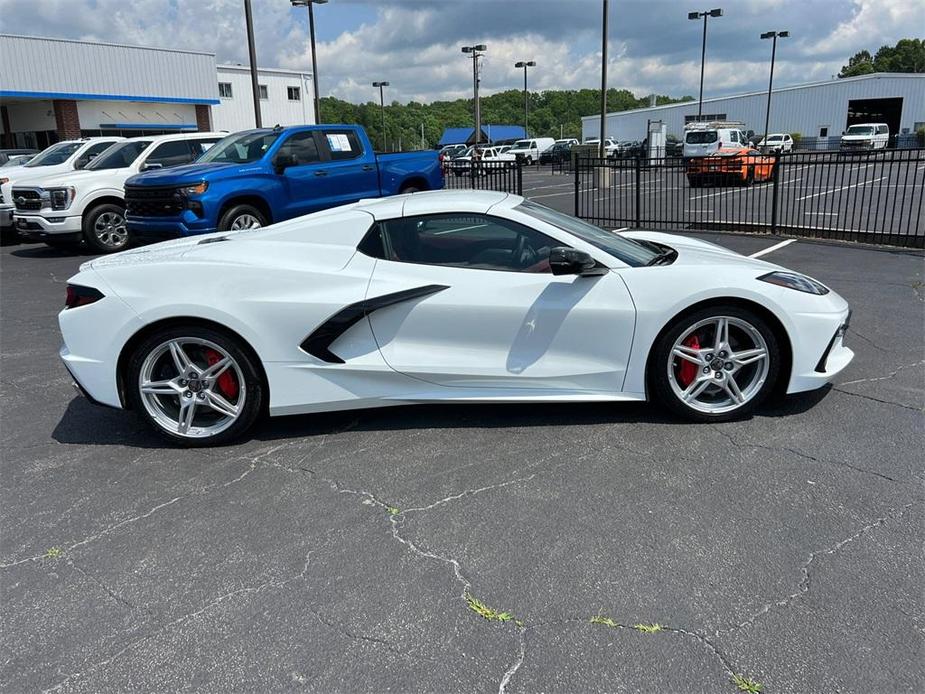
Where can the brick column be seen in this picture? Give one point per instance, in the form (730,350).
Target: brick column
(204,117)
(67,119)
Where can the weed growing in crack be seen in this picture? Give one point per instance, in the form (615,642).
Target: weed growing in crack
(747,684)
(492,615)
(649,628)
(605,621)
(53,553)
(393,510)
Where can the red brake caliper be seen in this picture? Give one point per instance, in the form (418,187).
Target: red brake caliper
(688,371)
(227,383)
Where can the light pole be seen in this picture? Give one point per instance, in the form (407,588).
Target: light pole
(603,147)
(252,52)
(311,32)
(381,85)
(525,65)
(475,52)
(703,51)
(771,35)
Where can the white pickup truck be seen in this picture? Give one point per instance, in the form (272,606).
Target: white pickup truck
(64,209)
(61,157)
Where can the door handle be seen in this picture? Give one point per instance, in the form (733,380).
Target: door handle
(367,167)
(321,173)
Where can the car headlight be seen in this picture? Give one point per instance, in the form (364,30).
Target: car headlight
(792,280)
(61,198)
(197,189)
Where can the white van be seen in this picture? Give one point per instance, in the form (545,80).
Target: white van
(865,136)
(703,139)
(530,150)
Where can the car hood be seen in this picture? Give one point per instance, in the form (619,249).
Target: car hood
(189,173)
(696,252)
(856,138)
(83,179)
(31,174)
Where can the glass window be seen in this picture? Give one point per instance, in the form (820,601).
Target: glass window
(301,147)
(120,155)
(463,240)
(200,147)
(242,148)
(343,144)
(170,154)
(734,135)
(224,90)
(631,252)
(56,154)
(91,153)
(262,91)
(295,94)
(700,137)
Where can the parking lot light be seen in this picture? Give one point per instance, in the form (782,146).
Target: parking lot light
(252,54)
(381,86)
(311,33)
(718,12)
(525,64)
(475,52)
(773,35)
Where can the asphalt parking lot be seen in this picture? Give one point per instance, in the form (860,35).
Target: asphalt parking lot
(463,549)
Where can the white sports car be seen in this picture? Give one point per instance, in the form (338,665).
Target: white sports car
(456,296)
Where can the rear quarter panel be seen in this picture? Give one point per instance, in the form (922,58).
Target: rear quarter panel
(398,168)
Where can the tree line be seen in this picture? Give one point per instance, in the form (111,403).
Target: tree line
(908,55)
(553,113)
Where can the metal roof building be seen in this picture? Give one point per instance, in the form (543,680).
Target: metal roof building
(53,89)
(820,109)
(491,133)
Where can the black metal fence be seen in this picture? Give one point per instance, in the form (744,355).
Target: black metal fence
(867,197)
(833,142)
(506,176)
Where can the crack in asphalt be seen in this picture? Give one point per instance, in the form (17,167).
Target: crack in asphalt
(866,339)
(883,378)
(871,397)
(805,582)
(806,456)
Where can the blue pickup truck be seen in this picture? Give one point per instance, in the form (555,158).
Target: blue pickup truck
(257,177)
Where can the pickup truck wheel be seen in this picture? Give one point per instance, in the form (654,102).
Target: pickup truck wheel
(104,228)
(410,189)
(241,217)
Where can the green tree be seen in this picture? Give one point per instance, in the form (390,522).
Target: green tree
(908,55)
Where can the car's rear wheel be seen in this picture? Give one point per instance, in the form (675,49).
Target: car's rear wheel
(715,364)
(240,217)
(194,385)
(104,228)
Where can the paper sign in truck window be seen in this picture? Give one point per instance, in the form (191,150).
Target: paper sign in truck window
(339,143)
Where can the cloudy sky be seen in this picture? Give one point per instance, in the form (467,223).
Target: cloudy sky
(415,43)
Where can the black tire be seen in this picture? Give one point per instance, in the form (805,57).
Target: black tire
(239,212)
(104,228)
(410,189)
(255,391)
(657,376)
(749,176)
(695,181)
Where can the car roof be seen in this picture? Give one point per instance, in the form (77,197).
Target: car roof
(433,202)
(175,136)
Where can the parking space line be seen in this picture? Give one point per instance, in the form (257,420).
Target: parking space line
(836,190)
(771,249)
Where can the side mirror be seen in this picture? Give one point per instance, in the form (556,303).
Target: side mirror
(569,261)
(153,165)
(282,162)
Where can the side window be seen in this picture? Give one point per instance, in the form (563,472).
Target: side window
(343,144)
(882,130)
(170,154)
(200,147)
(301,147)
(91,153)
(465,240)
(734,135)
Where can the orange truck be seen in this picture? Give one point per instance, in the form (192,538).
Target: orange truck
(730,166)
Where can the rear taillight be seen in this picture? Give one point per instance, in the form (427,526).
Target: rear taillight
(78,295)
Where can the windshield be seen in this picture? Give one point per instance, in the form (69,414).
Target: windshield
(775,138)
(119,156)
(629,251)
(56,154)
(17,160)
(243,148)
(860,130)
(700,137)
(522,144)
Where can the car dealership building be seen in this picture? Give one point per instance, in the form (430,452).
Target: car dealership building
(817,110)
(56,89)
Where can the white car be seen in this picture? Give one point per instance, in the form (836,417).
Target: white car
(704,139)
(530,149)
(69,155)
(570,141)
(66,208)
(611,146)
(865,137)
(462,165)
(445,296)
(778,142)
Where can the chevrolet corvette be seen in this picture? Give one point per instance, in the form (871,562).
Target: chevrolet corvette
(447,296)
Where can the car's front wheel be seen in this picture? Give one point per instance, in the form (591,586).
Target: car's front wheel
(715,364)
(240,217)
(104,228)
(194,385)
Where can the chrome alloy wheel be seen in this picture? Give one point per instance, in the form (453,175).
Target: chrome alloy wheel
(110,229)
(718,364)
(245,221)
(192,387)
